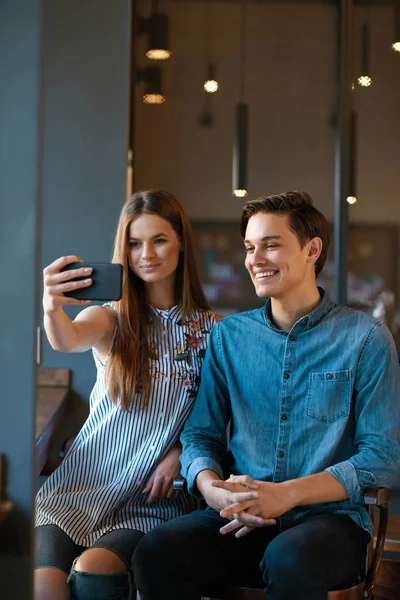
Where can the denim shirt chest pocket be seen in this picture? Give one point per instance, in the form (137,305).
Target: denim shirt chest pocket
(329,395)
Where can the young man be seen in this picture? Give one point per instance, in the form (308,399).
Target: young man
(310,392)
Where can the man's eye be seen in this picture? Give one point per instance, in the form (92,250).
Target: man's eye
(247,250)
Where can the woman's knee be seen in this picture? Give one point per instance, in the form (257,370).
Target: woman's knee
(100,573)
(99,561)
(50,583)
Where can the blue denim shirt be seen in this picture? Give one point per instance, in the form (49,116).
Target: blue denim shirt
(323,397)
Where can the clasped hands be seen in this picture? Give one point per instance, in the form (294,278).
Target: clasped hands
(249,503)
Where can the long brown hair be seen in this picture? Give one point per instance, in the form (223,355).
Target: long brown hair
(128,364)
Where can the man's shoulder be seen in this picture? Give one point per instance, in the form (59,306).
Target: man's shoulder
(354,317)
(357,325)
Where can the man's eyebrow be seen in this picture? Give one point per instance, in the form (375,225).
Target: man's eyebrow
(152,237)
(266,238)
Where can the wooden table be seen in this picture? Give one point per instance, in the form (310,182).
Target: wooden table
(53,390)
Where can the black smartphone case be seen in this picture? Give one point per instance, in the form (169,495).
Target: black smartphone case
(107,282)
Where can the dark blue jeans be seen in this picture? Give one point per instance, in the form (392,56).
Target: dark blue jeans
(319,553)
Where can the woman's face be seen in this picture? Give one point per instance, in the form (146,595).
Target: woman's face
(153,249)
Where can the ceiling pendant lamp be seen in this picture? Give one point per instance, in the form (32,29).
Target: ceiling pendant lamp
(239,169)
(365,80)
(153,90)
(239,163)
(396,40)
(352,197)
(156,26)
(210,83)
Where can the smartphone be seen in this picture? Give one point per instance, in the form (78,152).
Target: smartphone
(107,281)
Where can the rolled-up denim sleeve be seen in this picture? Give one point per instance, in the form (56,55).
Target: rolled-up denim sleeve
(204,438)
(377,418)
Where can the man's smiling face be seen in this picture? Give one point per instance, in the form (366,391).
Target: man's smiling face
(274,257)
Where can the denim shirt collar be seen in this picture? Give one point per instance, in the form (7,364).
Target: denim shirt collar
(305,322)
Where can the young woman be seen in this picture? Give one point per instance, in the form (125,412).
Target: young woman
(115,483)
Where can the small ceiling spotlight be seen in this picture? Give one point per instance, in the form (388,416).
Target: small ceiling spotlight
(351,199)
(157,28)
(153,89)
(211,83)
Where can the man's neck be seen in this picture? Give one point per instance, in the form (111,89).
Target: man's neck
(288,310)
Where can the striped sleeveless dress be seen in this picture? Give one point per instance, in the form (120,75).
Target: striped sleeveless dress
(99,485)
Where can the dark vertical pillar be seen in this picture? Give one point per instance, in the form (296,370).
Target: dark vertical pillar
(343,148)
(20,201)
(132,91)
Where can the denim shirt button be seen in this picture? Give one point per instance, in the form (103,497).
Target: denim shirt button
(281,454)
(284,418)
(292,338)
(329,376)
(286,375)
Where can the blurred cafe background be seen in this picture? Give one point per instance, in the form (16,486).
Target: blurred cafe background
(216,101)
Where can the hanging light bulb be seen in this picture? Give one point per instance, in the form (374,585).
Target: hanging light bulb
(156,26)
(396,41)
(239,166)
(364,79)
(211,83)
(239,169)
(158,48)
(153,90)
(352,198)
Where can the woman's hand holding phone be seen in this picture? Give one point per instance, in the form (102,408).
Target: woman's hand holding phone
(56,282)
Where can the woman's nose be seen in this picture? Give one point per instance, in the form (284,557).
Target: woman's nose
(148,251)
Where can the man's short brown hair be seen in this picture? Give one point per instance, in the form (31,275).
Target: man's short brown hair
(304,219)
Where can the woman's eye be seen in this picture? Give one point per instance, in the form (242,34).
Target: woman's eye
(160,241)
(133,244)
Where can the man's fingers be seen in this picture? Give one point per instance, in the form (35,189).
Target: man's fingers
(237,507)
(245,480)
(230,527)
(243,531)
(223,485)
(254,520)
(232,487)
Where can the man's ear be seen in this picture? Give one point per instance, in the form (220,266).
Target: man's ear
(314,250)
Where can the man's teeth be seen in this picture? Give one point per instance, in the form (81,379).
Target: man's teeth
(265,274)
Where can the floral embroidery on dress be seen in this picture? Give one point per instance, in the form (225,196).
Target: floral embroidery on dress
(153,354)
(186,356)
(185,353)
(156,374)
